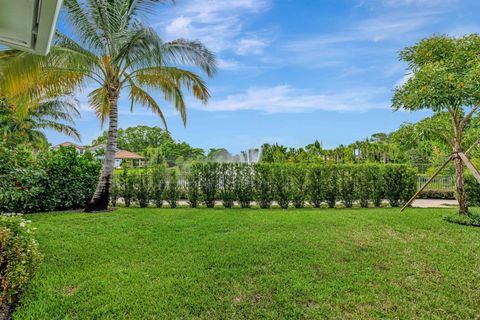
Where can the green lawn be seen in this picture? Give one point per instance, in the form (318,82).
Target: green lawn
(250,264)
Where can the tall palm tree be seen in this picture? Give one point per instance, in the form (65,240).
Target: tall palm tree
(111,48)
(19,128)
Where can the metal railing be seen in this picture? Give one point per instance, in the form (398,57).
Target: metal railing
(440,183)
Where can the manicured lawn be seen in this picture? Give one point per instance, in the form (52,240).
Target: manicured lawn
(250,264)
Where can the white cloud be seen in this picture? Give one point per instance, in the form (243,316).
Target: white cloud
(251,46)
(287,99)
(227,64)
(406,3)
(180,26)
(217,23)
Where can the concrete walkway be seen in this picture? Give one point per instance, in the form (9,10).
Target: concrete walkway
(434,203)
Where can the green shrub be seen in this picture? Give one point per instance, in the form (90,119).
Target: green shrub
(226,182)
(19,259)
(208,182)
(331,185)
(158,185)
(172,192)
(399,182)
(316,185)
(126,187)
(142,189)
(438,194)
(244,184)
(472,190)
(281,186)
(470,219)
(52,180)
(298,184)
(115,192)
(193,188)
(263,185)
(347,183)
(364,185)
(377,183)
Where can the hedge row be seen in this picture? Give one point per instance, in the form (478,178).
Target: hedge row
(51,180)
(296,185)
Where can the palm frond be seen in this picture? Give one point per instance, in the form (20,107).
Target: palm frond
(83,25)
(183,51)
(99,102)
(59,127)
(138,95)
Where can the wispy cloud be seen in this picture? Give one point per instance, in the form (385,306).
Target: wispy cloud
(287,99)
(217,23)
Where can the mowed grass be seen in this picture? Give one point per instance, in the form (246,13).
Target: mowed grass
(250,264)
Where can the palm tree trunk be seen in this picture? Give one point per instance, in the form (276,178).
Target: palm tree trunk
(101,196)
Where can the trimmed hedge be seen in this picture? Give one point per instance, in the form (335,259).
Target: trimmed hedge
(51,180)
(286,184)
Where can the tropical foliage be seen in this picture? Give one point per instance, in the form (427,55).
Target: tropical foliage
(112,48)
(28,128)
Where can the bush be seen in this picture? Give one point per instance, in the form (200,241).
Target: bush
(52,180)
(158,185)
(172,192)
(244,184)
(281,186)
(142,189)
(347,183)
(472,190)
(438,194)
(263,185)
(370,187)
(115,192)
(193,188)
(331,185)
(19,259)
(125,182)
(227,184)
(316,185)
(298,184)
(208,182)
(399,182)
(377,183)
(470,219)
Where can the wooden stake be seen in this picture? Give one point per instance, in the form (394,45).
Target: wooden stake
(426,183)
(476,143)
(470,166)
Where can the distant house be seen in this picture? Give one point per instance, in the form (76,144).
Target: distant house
(135,160)
(80,149)
(121,156)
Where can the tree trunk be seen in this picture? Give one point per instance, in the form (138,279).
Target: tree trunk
(460,184)
(101,197)
(459,175)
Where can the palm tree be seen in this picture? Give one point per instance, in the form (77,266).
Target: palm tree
(111,48)
(55,114)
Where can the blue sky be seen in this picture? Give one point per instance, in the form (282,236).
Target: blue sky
(293,71)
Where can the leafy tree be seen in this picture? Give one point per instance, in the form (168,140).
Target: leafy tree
(137,139)
(445,72)
(173,153)
(219,155)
